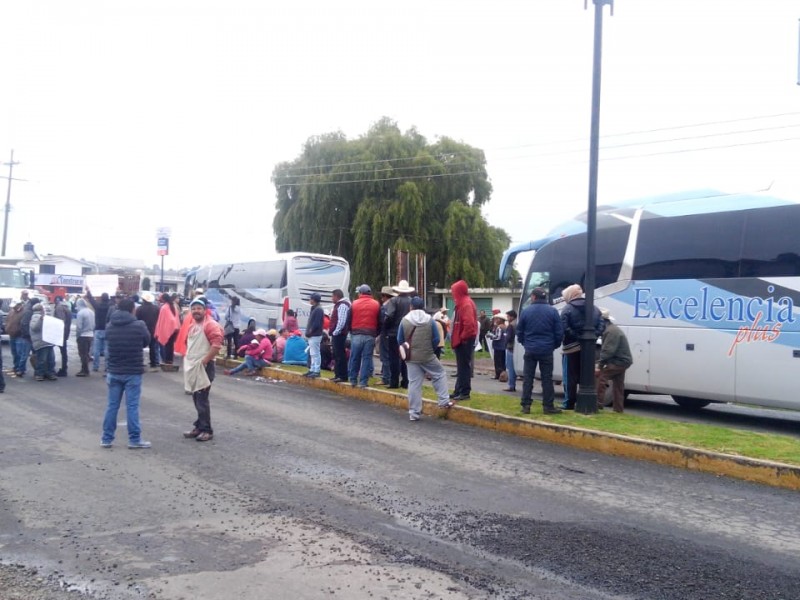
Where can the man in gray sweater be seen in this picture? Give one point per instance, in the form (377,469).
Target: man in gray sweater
(418,336)
(615,359)
(84,334)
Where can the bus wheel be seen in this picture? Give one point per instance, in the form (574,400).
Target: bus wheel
(690,403)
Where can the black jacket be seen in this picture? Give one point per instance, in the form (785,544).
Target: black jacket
(125,337)
(396,308)
(101,310)
(148,312)
(316,321)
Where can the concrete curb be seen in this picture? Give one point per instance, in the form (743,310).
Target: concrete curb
(749,469)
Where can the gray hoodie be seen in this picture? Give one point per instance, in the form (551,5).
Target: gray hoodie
(84,322)
(37,322)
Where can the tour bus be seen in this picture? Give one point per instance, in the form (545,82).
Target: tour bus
(267,289)
(705,285)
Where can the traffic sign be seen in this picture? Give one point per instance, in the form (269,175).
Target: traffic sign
(163,246)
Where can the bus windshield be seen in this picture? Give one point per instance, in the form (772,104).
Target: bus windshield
(13,278)
(535,279)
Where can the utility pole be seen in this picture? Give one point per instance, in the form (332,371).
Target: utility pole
(10,166)
(586,402)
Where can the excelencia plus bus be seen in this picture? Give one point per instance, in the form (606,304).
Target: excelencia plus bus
(267,289)
(705,285)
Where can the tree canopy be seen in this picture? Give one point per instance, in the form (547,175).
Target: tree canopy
(390,190)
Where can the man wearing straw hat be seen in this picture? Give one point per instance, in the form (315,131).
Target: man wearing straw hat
(397,308)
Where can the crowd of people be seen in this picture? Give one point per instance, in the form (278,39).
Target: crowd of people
(409,337)
(115,332)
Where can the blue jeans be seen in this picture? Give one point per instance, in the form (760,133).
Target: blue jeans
(13,343)
(131,386)
(99,348)
(250,363)
(316,355)
(23,352)
(45,362)
(512,374)
(361,349)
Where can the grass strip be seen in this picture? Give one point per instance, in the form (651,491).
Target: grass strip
(765,446)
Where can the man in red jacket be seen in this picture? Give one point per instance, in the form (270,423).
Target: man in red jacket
(364,328)
(462,338)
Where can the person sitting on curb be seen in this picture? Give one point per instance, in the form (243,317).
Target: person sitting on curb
(256,356)
(247,336)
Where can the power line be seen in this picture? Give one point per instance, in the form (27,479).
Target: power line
(406,177)
(656,130)
(682,151)
(292,173)
(388,169)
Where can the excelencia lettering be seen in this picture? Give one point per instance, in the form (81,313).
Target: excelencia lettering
(763,318)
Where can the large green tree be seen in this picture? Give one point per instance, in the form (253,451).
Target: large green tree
(390,190)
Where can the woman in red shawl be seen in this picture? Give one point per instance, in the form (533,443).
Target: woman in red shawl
(167,328)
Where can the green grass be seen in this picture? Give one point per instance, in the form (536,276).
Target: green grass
(765,446)
(779,448)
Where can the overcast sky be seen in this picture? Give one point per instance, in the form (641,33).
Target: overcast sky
(129,116)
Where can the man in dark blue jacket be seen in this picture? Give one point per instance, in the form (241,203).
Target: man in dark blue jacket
(126,337)
(539,331)
(314,329)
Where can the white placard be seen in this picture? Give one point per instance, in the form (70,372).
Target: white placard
(102,284)
(53,330)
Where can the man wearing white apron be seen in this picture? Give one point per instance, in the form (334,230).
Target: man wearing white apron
(204,341)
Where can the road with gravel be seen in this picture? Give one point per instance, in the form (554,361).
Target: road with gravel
(309,494)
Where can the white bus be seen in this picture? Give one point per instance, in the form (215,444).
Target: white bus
(13,280)
(267,289)
(705,285)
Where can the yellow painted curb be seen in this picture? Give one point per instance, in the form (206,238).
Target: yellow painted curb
(750,469)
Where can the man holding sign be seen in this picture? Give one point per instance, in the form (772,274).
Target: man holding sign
(45,367)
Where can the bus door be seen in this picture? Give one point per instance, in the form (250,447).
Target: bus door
(637,378)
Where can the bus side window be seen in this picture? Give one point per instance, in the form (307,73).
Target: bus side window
(771,245)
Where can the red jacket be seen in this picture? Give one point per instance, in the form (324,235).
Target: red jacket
(364,313)
(465,320)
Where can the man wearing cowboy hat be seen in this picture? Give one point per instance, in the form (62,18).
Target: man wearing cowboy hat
(387,293)
(397,308)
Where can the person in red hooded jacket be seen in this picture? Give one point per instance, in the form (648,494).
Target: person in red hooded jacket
(462,338)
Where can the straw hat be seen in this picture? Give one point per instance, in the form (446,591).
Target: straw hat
(403,287)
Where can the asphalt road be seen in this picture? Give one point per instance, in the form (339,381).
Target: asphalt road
(313,495)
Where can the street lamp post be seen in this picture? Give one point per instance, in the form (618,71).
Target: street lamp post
(586,402)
